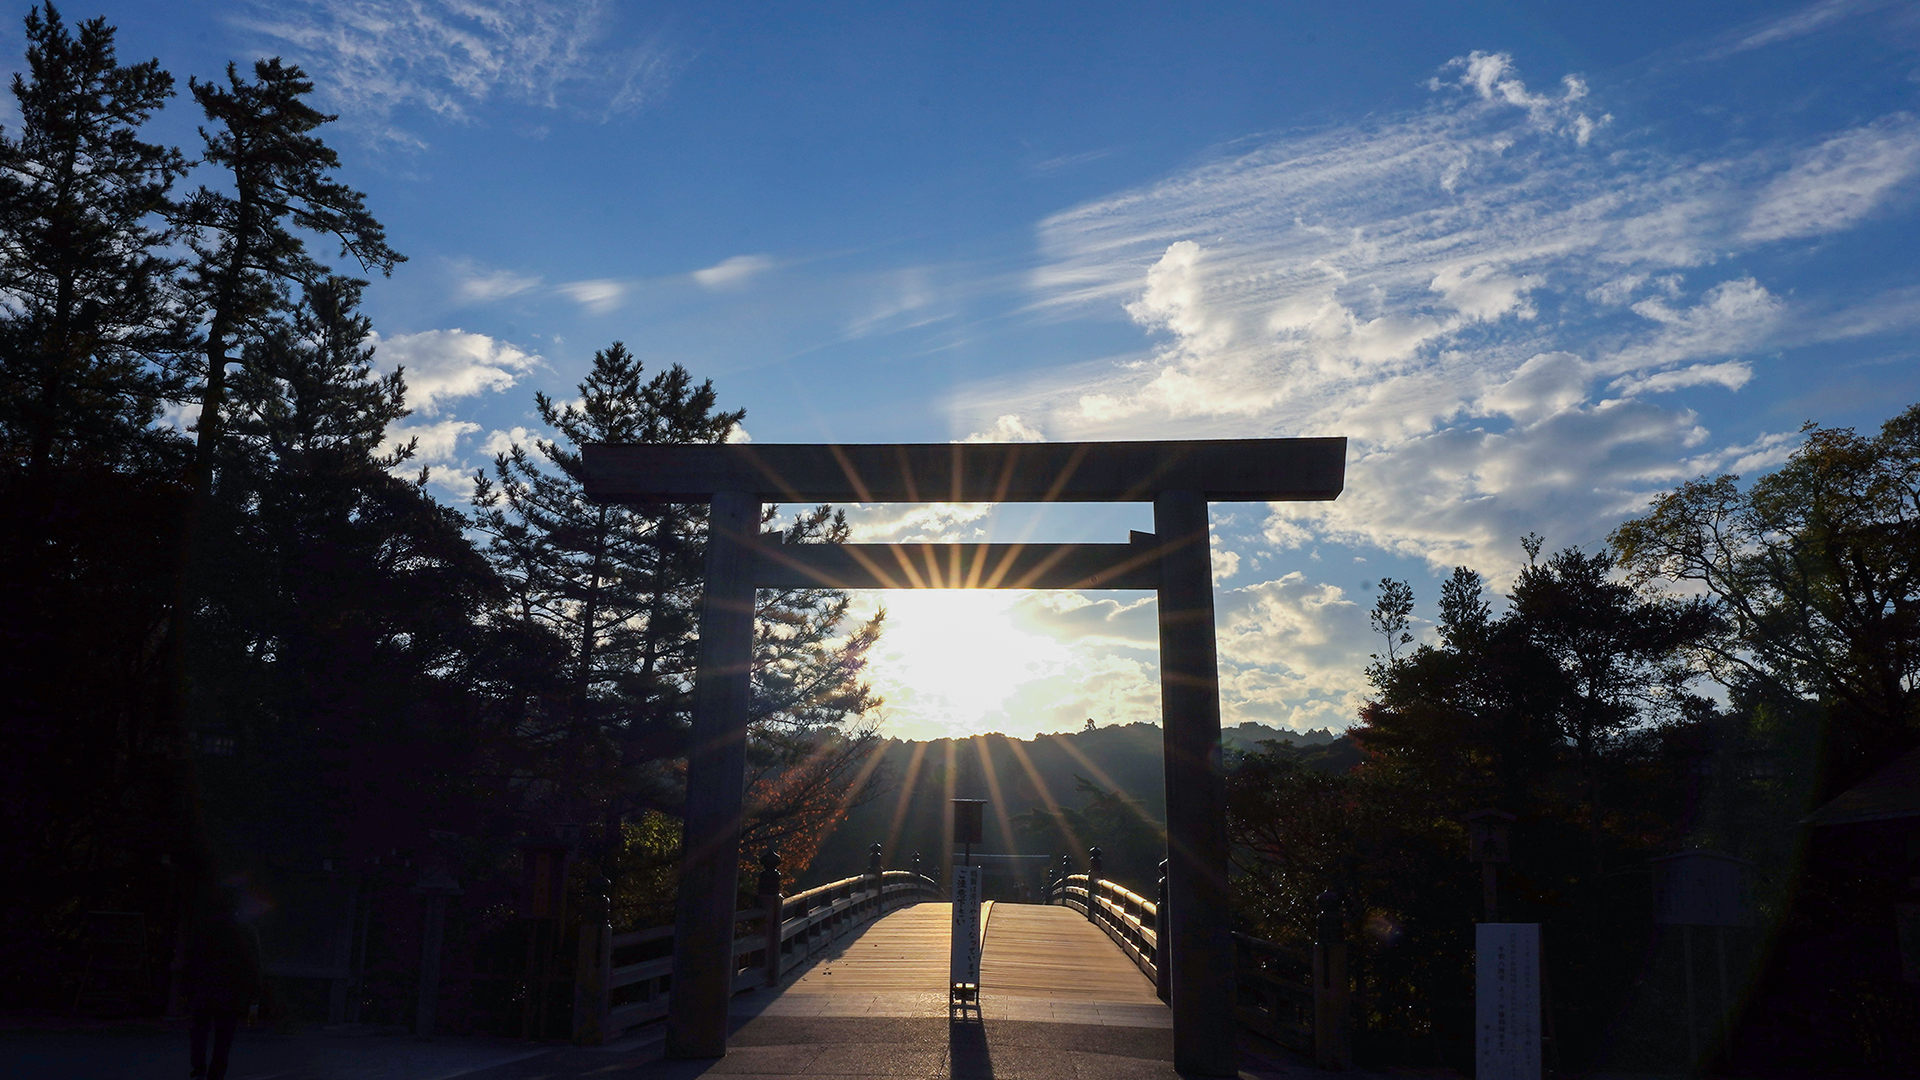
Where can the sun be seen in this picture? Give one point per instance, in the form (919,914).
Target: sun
(950,657)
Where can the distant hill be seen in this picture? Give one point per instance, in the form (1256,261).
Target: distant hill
(1248,736)
(914,781)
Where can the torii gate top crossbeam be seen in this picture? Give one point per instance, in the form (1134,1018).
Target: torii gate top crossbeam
(1223,470)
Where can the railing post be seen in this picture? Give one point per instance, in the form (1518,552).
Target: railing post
(434,887)
(591,989)
(1094,869)
(1162,978)
(775,908)
(1332,1042)
(879,879)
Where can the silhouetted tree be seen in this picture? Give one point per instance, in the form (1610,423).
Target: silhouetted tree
(249,252)
(616,589)
(87,791)
(87,322)
(341,615)
(1814,574)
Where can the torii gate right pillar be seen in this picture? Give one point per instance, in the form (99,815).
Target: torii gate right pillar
(1200,928)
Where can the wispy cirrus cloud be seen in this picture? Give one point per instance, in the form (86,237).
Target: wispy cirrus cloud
(1834,185)
(448,57)
(597,295)
(732,272)
(1808,20)
(476,285)
(1492,303)
(1509,307)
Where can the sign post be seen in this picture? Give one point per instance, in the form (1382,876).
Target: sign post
(1506,1001)
(1702,888)
(968,829)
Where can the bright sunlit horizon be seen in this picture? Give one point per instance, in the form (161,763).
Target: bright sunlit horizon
(960,662)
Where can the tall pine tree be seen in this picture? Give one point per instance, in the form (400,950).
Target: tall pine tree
(616,590)
(340,619)
(87,320)
(87,327)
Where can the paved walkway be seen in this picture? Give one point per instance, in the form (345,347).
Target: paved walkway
(1058,1002)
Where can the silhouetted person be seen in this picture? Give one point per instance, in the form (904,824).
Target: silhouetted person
(223,976)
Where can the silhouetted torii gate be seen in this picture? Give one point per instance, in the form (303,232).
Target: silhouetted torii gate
(1179,478)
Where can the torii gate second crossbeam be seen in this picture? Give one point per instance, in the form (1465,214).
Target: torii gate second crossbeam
(1179,478)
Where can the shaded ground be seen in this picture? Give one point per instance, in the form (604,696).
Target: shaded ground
(1059,1002)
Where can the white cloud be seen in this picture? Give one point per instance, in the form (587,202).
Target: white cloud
(476,286)
(439,442)
(597,295)
(1618,291)
(1287,650)
(1483,293)
(733,272)
(1389,283)
(1730,317)
(437,448)
(904,298)
(1834,185)
(1509,324)
(914,523)
(1787,27)
(448,56)
(1226,561)
(1493,77)
(1007,427)
(1546,385)
(1463,494)
(445,364)
(500,442)
(1732,374)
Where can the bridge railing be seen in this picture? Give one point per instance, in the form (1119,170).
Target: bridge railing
(1296,997)
(1131,920)
(770,940)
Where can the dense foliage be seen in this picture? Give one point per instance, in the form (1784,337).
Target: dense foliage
(240,639)
(1738,657)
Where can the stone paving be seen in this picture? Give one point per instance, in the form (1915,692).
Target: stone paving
(768,1047)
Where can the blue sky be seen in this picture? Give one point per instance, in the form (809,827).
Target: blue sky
(1537,261)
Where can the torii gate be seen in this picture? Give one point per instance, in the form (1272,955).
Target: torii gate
(1179,478)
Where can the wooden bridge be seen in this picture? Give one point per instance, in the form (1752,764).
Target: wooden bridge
(851,978)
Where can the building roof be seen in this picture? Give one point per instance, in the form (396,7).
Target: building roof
(1893,792)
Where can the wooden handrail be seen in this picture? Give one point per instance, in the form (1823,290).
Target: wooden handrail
(763,949)
(1131,920)
(1293,996)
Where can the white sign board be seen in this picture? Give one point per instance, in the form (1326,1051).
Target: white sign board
(1506,1001)
(966,926)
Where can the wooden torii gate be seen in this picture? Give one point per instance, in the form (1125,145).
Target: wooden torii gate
(1178,478)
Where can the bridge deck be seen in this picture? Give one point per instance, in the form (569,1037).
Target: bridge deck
(1044,964)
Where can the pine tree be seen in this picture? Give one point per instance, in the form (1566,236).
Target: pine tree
(342,606)
(613,587)
(248,256)
(87,326)
(617,589)
(86,330)
(806,766)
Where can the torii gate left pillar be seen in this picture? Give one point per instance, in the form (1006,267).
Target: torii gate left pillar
(1179,478)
